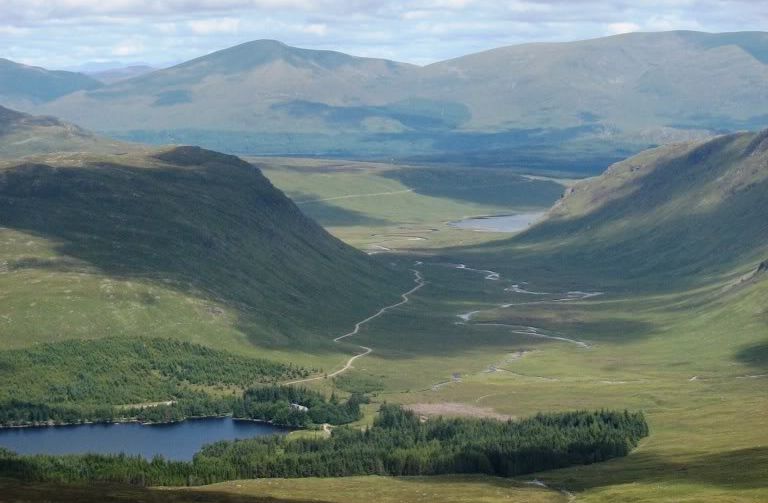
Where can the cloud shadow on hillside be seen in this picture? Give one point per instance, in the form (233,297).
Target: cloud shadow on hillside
(480,186)
(328,214)
(754,355)
(732,470)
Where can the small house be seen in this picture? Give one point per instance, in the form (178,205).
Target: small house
(299,407)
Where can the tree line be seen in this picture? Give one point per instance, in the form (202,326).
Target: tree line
(274,404)
(397,444)
(97,380)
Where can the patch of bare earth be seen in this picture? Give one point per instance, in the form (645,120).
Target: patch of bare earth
(455,409)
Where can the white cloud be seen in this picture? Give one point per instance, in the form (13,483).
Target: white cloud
(416,31)
(166,28)
(450,4)
(319,29)
(622,27)
(415,15)
(664,23)
(13,30)
(128,48)
(210,26)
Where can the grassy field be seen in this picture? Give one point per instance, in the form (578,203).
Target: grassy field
(705,400)
(16,492)
(448,489)
(380,207)
(459,489)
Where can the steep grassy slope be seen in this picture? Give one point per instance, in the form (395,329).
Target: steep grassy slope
(22,84)
(508,105)
(178,242)
(681,214)
(201,224)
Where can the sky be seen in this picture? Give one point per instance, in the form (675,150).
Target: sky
(70,33)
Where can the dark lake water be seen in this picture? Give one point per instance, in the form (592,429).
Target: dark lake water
(500,223)
(179,441)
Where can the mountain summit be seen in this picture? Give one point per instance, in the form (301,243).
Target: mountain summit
(629,90)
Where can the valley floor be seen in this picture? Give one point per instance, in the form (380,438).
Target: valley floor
(490,338)
(508,344)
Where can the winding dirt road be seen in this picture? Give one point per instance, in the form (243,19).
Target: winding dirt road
(418,279)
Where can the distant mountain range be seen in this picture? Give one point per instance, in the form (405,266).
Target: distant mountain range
(595,100)
(30,85)
(112,75)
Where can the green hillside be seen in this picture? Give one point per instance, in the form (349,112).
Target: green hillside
(548,106)
(173,242)
(687,214)
(23,134)
(22,84)
(132,275)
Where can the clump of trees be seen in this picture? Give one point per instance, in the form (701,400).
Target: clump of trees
(77,381)
(397,444)
(274,404)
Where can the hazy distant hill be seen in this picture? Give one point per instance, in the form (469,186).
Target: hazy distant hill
(255,86)
(113,75)
(174,242)
(22,84)
(587,98)
(638,83)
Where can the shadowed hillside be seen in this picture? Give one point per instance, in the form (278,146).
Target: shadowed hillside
(683,213)
(179,242)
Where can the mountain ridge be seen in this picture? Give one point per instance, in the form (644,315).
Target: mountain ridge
(33,85)
(596,99)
